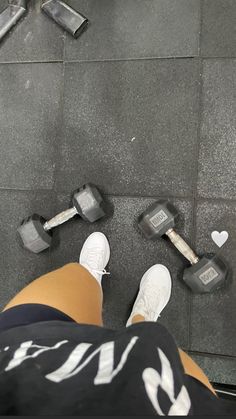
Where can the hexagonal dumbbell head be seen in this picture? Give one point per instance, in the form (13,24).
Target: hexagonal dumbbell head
(89,203)
(33,235)
(207,275)
(157,219)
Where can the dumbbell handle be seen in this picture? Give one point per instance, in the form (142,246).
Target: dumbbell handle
(182,246)
(60,218)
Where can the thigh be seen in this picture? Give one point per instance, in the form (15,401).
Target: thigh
(70,289)
(192,369)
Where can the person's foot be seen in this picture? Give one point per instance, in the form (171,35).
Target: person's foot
(154,294)
(95,255)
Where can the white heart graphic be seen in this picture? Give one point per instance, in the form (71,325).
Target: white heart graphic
(219,238)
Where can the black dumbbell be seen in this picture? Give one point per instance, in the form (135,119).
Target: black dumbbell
(207,273)
(36,232)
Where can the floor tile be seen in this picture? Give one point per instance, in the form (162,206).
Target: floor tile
(29,116)
(218,28)
(136,29)
(34,38)
(130,126)
(217,162)
(131,256)
(214,315)
(218,369)
(3,5)
(19,266)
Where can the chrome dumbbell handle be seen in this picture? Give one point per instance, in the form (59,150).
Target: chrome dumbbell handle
(10,16)
(60,218)
(182,246)
(71,20)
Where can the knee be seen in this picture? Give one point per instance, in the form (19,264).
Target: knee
(74,270)
(71,266)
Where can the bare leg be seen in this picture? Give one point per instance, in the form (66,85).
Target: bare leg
(70,289)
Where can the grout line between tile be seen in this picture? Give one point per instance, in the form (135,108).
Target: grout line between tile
(194,57)
(190,57)
(58,137)
(215,57)
(8,189)
(194,188)
(200,29)
(57,144)
(136,196)
(125,196)
(196,168)
(188,294)
(219,199)
(31,62)
(200,26)
(211,355)
(185,197)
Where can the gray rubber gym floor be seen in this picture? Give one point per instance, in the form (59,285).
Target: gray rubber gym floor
(143,104)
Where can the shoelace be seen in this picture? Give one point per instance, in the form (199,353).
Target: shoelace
(94,254)
(103,272)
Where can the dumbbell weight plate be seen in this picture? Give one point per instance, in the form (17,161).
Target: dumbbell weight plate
(89,203)
(157,219)
(33,235)
(207,275)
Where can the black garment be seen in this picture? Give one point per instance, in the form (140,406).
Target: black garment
(24,314)
(62,368)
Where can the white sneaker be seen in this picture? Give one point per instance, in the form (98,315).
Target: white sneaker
(154,294)
(95,255)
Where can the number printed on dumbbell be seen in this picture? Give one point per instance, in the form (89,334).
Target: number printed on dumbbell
(208,275)
(158,218)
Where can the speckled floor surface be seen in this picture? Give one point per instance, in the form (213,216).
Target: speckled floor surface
(143,104)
